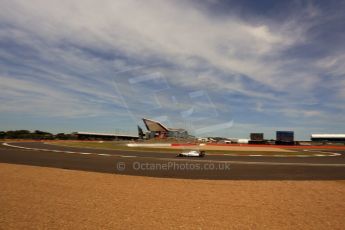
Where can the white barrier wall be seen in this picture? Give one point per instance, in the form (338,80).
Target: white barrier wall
(148,145)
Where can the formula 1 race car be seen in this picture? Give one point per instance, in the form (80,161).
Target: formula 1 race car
(192,153)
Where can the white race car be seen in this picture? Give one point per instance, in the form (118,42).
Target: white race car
(192,153)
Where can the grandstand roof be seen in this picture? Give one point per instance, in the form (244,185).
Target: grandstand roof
(156,126)
(328,136)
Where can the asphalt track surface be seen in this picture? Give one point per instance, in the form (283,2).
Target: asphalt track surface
(166,165)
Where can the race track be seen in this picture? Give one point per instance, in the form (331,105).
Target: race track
(166,165)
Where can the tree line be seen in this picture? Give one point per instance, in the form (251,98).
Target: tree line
(36,135)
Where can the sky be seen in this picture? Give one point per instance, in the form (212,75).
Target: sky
(216,68)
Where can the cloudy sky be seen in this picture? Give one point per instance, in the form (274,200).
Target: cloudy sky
(223,68)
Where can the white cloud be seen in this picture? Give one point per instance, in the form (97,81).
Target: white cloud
(35,98)
(160,29)
(333,65)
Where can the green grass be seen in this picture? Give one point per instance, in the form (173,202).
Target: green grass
(122,146)
(112,145)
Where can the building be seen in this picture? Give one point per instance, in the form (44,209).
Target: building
(335,138)
(205,139)
(103,136)
(285,138)
(257,138)
(158,130)
(239,140)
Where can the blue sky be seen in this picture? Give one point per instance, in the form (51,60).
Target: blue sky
(217,68)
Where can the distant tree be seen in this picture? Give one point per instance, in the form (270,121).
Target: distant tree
(41,135)
(62,136)
(36,135)
(18,134)
(39,132)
